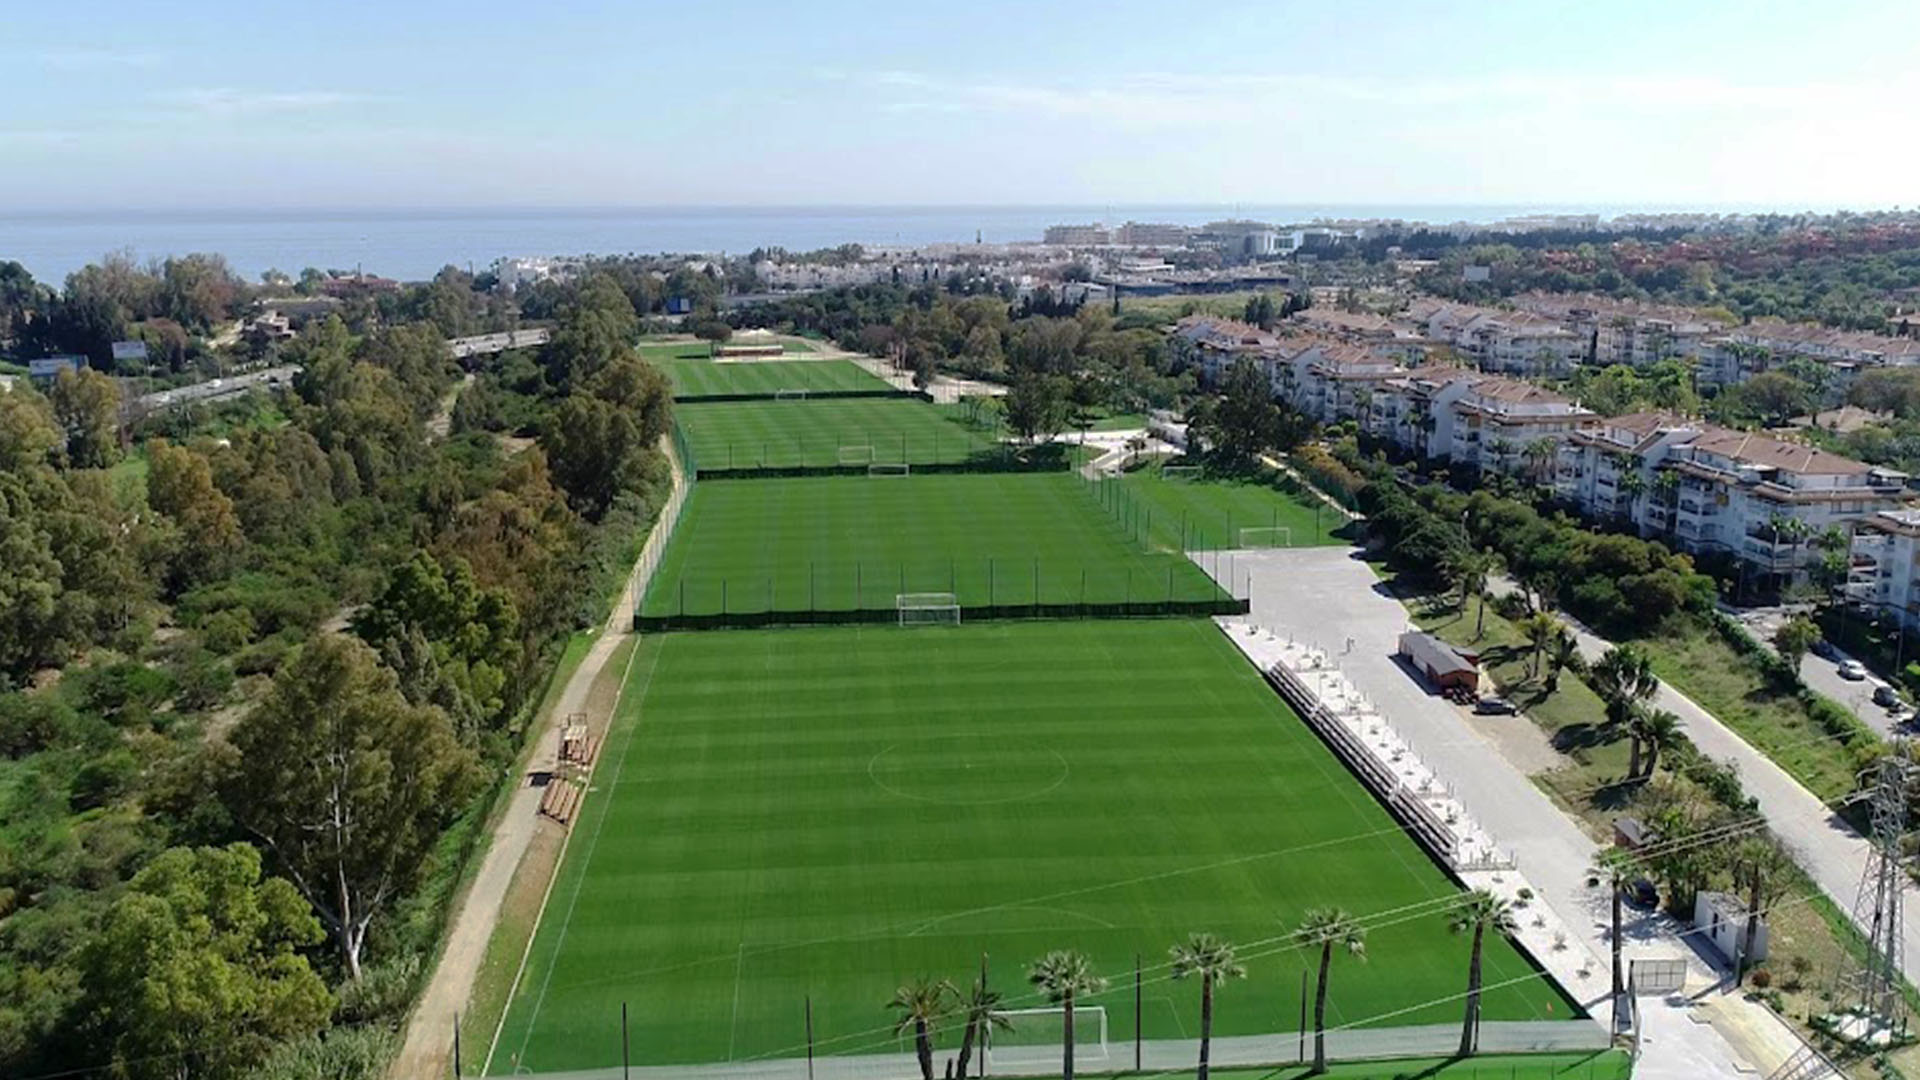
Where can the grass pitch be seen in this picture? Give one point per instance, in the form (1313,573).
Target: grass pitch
(742,434)
(829,812)
(837,543)
(695,377)
(1210,512)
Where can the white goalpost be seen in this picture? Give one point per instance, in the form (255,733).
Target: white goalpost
(856,455)
(790,395)
(1266,536)
(889,468)
(1036,1035)
(927,609)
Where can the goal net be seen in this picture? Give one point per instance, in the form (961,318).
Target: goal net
(856,455)
(883,468)
(1180,472)
(928,608)
(1035,1041)
(1266,536)
(789,395)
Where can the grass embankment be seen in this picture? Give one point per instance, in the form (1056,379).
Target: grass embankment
(1774,719)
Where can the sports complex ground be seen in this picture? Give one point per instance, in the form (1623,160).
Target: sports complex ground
(1186,511)
(816,434)
(828,812)
(816,815)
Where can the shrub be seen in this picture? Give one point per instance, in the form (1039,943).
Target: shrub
(383,993)
(1761,978)
(361,1053)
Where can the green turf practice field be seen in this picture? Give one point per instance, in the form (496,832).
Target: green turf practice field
(692,378)
(830,812)
(1208,513)
(745,434)
(813,543)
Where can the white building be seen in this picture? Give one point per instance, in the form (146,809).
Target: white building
(1506,342)
(1622,332)
(1885,571)
(1707,489)
(1722,917)
(1741,353)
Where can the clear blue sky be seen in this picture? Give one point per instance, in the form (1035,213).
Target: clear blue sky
(484,102)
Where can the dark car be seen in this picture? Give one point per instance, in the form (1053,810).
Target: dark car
(1886,696)
(1641,893)
(1825,650)
(1495,706)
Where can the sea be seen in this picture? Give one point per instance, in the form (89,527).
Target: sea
(414,244)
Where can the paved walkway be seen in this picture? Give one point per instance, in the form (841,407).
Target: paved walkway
(427,1046)
(1327,595)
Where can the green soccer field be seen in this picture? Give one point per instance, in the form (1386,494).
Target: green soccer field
(1212,513)
(836,543)
(826,813)
(745,434)
(696,377)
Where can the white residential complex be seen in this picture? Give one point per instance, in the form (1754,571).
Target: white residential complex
(1706,489)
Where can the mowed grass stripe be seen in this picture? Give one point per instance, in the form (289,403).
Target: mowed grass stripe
(832,811)
(1208,513)
(841,543)
(743,434)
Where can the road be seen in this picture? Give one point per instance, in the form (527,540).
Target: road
(216,389)
(1326,595)
(1822,673)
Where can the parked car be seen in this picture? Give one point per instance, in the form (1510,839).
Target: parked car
(1825,650)
(1886,696)
(1495,706)
(1641,893)
(1852,669)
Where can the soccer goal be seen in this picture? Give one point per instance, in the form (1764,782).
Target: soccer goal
(1033,1043)
(927,608)
(856,455)
(1180,472)
(790,395)
(1266,536)
(889,468)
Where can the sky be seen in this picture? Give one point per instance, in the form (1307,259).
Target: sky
(200,104)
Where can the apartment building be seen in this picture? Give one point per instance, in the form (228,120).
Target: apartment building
(1706,488)
(1885,569)
(1496,424)
(1741,353)
(1504,342)
(1622,332)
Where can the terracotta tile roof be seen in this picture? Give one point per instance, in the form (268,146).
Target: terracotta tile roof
(1767,452)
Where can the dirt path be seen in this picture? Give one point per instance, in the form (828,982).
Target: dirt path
(442,421)
(427,1048)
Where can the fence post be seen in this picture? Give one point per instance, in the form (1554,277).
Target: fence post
(1303,1016)
(1136,1012)
(989,581)
(1036,581)
(456,1046)
(859,586)
(723,598)
(626,1052)
(809,1037)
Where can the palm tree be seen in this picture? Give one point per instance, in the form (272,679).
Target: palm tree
(1063,975)
(1623,678)
(980,1009)
(1482,911)
(1666,485)
(1562,652)
(1470,571)
(1324,928)
(1212,959)
(1633,484)
(922,1004)
(1540,629)
(1540,454)
(1618,866)
(1763,866)
(1659,732)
